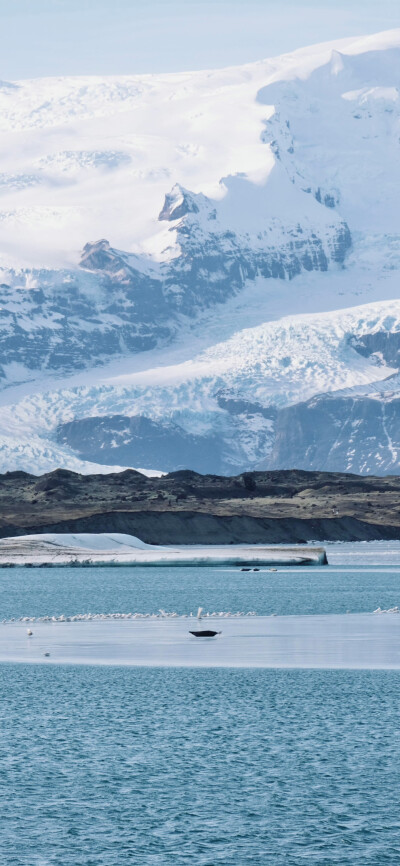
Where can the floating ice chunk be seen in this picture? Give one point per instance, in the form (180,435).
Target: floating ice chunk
(86,549)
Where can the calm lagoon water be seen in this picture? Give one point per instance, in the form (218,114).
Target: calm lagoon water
(105,766)
(360,579)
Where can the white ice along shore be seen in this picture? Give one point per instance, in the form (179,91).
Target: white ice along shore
(352,641)
(89,549)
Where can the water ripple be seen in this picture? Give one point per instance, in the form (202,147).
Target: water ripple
(114,766)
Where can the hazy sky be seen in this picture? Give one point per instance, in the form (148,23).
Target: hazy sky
(59,37)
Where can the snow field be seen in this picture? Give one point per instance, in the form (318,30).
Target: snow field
(308,139)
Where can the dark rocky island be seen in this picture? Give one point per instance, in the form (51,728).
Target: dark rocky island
(184,507)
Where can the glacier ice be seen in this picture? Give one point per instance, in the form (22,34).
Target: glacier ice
(251,263)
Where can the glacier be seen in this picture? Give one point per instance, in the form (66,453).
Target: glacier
(202,269)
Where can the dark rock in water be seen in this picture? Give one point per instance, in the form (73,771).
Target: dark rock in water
(205,633)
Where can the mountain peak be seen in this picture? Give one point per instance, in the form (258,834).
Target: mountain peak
(177,204)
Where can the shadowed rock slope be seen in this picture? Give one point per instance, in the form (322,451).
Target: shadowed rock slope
(187,508)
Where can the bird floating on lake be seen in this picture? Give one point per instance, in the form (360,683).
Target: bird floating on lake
(29,632)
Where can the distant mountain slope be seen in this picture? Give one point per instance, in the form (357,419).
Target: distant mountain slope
(203,259)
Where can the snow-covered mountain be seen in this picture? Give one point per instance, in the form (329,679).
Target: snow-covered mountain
(202,269)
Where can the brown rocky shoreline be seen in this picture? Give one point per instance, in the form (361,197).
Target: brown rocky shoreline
(286,507)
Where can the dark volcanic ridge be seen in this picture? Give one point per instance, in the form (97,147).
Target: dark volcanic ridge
(184,507)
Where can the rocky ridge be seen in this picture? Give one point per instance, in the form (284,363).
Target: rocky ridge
(189,508)
(120,303)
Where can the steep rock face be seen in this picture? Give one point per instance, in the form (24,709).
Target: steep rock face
(236,405)
(383,346)
(67,320)
(355,434)
(177,204)
(213,257)
(240,439)
(119,302)
(139,441)
(217,256)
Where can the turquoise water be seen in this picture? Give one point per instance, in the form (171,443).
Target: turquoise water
(112,766)
(332,589)
(105,766)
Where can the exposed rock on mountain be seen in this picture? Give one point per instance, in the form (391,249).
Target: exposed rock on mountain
(119,439)
(63,321)
(177,204)
(216,258)
(382,346)
(357,434)
(248,286)
(66,321)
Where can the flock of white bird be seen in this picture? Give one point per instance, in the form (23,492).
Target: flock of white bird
(162,614)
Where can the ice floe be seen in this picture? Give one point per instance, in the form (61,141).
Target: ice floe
(352,641)
(88,549)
